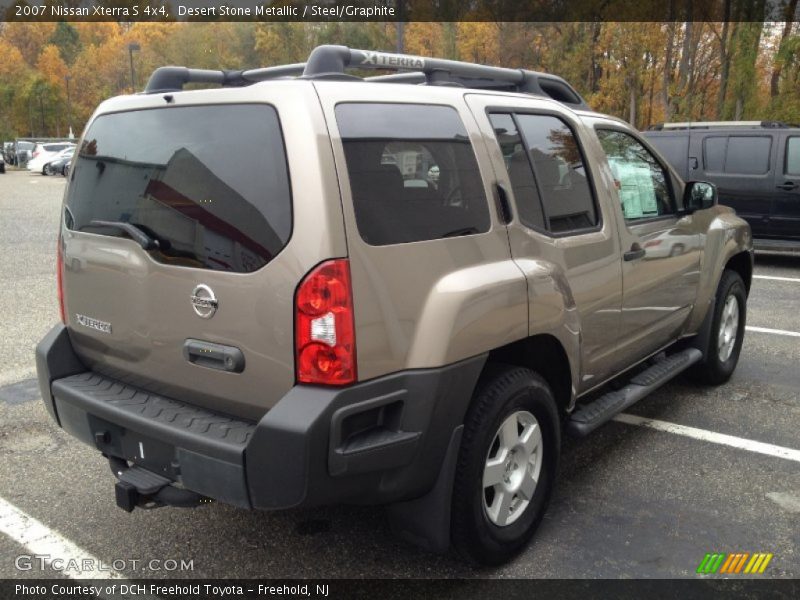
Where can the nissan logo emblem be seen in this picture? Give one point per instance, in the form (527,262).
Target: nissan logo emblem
(204,302)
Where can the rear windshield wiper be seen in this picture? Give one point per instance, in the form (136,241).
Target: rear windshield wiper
(137,234)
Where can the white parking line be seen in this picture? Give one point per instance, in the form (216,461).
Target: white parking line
(773,331)
(711,436)
(41,540)
(775,278)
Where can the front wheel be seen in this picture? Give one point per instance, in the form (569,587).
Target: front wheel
(721,354)
(507,465)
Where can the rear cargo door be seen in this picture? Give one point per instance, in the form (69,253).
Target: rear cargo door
(181,247)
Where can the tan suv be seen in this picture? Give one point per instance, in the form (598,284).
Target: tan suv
(306,288)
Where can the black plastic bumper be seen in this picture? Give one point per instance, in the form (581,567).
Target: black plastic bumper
(376,442)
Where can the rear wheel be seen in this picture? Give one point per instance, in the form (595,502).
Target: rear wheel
(46,170)
(727,332)
(507,465)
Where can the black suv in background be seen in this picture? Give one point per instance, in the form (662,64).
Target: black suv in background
(755,165)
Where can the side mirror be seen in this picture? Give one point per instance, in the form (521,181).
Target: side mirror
(699,195)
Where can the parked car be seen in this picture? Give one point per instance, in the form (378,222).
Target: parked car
(754,164)
(8,152)
(22,152)
(60,162)
(45,152)
(255,308)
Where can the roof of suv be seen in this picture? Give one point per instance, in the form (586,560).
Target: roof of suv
(330,63)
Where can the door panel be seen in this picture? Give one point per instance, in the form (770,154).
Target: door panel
(661,252)
(573,277)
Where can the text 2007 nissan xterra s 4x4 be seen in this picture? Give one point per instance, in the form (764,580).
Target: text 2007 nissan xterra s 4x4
(305,288)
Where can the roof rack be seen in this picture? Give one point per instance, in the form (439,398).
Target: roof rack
(721,124)
(331,62)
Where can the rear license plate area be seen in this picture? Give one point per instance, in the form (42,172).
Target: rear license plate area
(154,455)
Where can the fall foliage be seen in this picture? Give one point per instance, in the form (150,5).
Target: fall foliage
(53,75)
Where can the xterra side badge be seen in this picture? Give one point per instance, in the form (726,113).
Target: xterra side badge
(91,323)
(204,302)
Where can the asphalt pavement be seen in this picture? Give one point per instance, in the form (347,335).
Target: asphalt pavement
(631,501)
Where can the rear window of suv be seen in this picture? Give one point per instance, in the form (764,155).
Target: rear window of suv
(413,173)
(210,184)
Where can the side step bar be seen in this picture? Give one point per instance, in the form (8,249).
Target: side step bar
(590,416)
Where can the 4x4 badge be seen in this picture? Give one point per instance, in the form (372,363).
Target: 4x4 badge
(204,302)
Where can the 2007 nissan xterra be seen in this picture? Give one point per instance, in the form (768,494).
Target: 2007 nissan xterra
(304,287)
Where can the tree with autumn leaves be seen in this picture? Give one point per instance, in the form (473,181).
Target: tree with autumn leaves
(743,68)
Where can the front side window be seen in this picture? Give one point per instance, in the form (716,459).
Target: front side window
(641,180)
(209,184)
(413,173)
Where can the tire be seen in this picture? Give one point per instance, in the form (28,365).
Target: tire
(504,395)
(46,170)
(724,345)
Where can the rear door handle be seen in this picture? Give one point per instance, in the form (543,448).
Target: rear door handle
(213,356)
(788,186)
(636,252)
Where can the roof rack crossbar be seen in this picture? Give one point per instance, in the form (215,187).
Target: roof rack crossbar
(278,72)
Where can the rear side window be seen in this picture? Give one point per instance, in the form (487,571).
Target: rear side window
(748,155)
(793,156)
(526,194)
(209,183)
(413,173)
(560,173)
(714,154)
(547,171)
(737,155)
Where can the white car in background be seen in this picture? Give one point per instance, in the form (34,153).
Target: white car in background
(44,153)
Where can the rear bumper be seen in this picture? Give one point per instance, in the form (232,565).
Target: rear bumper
(376,442)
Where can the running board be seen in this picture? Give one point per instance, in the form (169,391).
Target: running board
(590,416)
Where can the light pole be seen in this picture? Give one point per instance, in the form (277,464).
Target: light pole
(41,107)
(133,46)
(69,106)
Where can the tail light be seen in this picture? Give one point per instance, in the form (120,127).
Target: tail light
(325,344)
(60,281)
(35,154)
